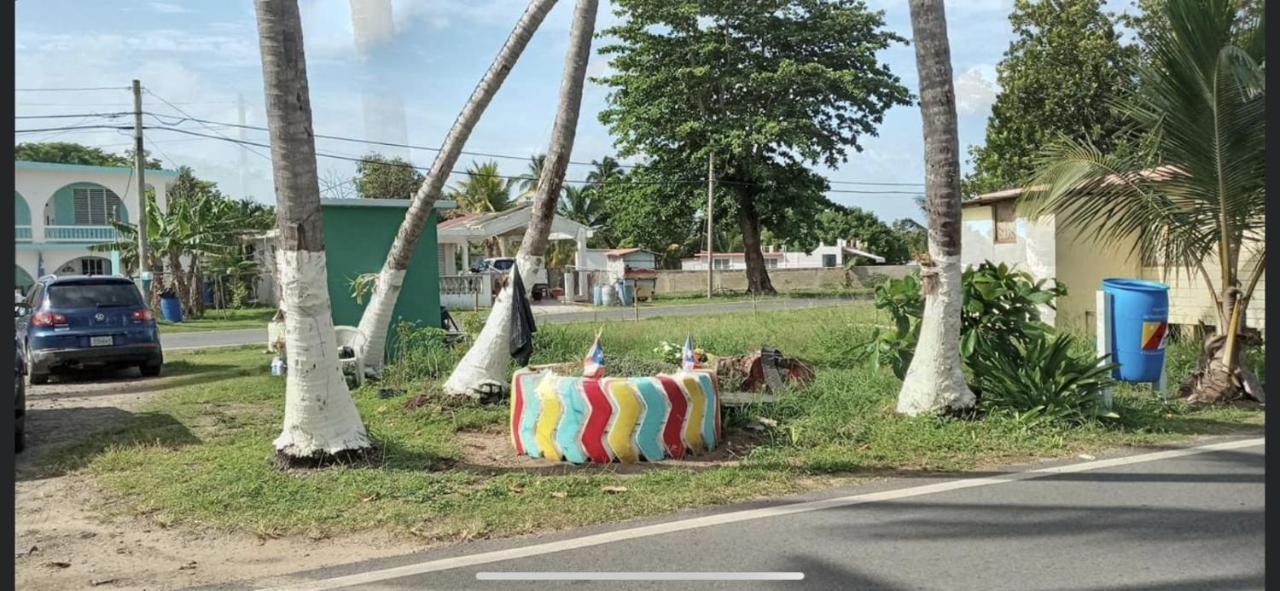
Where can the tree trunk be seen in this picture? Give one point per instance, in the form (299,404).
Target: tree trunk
(377,315)
(749,222)
(483,369)
(935,379)
(321,422)
(1221,375)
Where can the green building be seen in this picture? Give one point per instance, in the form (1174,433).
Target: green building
(358,234)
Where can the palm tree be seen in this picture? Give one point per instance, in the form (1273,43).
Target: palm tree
(377,315)
(320,419)
(1199,106)
(935,379)
(483,369)
(578,204)
(604,171)
(529,182)
(483,190)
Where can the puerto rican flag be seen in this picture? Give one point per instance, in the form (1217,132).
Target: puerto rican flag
(593,363)
(687,358)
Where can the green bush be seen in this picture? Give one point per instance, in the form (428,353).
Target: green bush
(418,353)
(1042,380)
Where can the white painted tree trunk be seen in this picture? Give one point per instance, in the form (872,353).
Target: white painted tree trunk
(484,367)
(935,379)
(376,320)
(319,416)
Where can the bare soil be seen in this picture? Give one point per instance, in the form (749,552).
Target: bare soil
(67,537)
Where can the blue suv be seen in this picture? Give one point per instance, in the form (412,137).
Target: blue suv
(73,322)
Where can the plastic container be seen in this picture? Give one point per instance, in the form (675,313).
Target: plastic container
(170,307)
(608,295)
(596,298)
(624,293)
(1139,324)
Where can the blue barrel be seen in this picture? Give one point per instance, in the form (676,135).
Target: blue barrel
(170,308)
(595,295)
(624,293)
(1139,325)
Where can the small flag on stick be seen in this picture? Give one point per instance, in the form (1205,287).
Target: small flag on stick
(593,363)
(688,360)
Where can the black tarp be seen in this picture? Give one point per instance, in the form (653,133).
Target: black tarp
(522,326)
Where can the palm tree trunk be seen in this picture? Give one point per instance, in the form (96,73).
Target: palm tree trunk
(321,422)
(935,380)
(483,368)
(377,315)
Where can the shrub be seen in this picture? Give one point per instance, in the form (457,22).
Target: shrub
(419,353)
(1041,379)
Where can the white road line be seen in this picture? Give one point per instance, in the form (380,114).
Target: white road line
(366,578)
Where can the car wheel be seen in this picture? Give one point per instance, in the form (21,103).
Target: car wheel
(150,370)
(35,377)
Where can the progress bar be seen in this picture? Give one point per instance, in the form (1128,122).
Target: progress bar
(639,576)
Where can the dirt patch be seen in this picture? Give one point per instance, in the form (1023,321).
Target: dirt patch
(64,542)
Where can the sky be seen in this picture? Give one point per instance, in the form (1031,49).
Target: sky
(405,81)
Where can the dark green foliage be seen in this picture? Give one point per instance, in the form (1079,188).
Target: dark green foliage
(73,153)
(1041,380)
(1061,71)
(853,223)
(380,177)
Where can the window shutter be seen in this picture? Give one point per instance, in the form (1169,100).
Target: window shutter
(80,206)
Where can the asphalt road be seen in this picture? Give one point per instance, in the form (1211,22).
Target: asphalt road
(252,336)
(1172,520)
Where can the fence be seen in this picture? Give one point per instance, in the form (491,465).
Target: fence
(865,277)
(466,291)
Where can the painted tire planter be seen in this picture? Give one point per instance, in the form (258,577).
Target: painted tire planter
(581,420)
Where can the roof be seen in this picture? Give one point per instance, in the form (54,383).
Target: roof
(89,168)
(617,252)
(702,254)
(862,253)
(481,226)
(1158,173)
(400,203)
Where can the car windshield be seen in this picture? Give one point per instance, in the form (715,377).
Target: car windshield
(91,294)
(503,264)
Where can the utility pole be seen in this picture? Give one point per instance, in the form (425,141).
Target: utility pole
(139,165)
(711,196)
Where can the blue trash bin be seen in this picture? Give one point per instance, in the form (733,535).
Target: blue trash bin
(624,293)
(1139,325)
(595,295)
(170,307)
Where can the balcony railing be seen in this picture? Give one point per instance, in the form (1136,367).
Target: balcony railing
(22,234)
(79,233)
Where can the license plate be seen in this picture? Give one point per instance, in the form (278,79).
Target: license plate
(100,341)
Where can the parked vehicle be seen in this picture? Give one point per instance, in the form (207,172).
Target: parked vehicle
(79,321)
(501,265)
(19,397)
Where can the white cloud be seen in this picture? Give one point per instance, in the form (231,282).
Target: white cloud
(169,8)
(976,90)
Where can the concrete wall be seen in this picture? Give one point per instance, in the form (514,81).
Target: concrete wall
(1189,297)
(1082,265)
(1034,250)
(670,281)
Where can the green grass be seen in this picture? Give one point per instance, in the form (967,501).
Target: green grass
(685,298)
(200,453)
(221,320)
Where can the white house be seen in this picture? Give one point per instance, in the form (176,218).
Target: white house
(60,210)
(835,255)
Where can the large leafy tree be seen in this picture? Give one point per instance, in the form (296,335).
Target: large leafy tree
(1200,207)
(1063,67)
(382,177)
(761,86)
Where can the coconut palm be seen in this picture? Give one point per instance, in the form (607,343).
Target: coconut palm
(320,419)
(483,190)
(935,379)
(529,182)
(1195,198)
(578,204)
(482,370)
(377,315)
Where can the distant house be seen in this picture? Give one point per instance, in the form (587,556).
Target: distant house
(824,256)
(994,229)
(60,210)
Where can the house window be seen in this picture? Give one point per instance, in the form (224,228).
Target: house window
(91,267)
(1005,233)
(829,260)
(720,264)
(95,206)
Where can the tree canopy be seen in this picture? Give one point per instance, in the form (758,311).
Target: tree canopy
(1062,70)
(73,153)
(765,86)
(382,177)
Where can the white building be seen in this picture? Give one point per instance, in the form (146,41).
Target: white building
(780,258)
(60,210)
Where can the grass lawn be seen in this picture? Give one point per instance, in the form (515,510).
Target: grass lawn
(685,298)
(221,320)
(200,454)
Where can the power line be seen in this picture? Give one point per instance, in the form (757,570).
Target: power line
(70,128)
(70,89)
(72,115)
(188,115)
(469,153)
